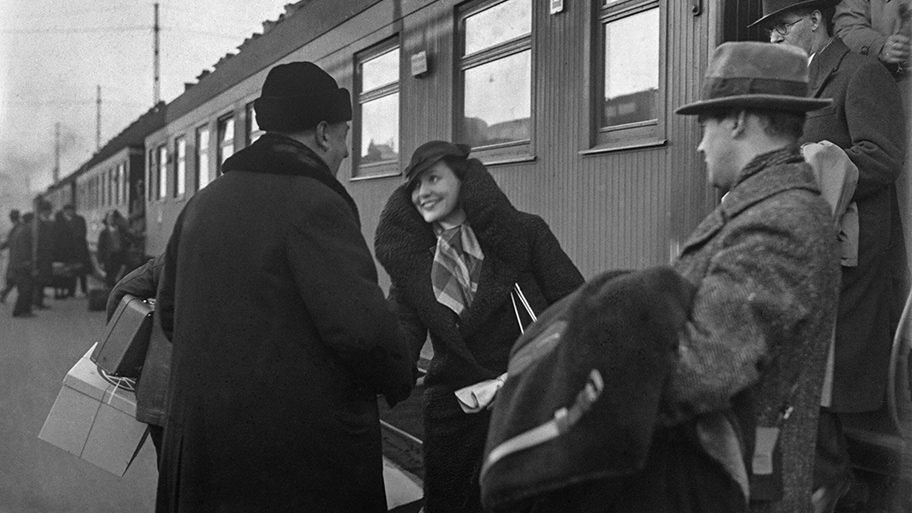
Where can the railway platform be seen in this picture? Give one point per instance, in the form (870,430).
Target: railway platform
(36,477)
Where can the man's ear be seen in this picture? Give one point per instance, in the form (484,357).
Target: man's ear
(816,19)
(321,135)
(739,124)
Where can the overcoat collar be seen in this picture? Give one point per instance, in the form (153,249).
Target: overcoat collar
(765,176)
(280,155)
(825,65)
(404,245)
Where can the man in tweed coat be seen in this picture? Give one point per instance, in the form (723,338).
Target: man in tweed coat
(766,265)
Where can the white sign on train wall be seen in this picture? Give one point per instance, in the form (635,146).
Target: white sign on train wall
(557,6)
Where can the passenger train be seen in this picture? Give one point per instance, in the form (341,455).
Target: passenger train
(569,104)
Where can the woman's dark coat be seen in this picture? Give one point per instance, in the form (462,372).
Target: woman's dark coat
(866,120)
(65,249)
(282,340)
(518,248)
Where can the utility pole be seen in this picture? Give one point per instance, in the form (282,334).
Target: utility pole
(156,94)
(98,120)
(56,174)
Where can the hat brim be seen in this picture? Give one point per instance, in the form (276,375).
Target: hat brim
(755,101)
(807,3)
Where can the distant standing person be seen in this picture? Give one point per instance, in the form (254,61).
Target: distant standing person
(44,252)
(64,280)
(78,228)
(21,265)
(10,280)
(282,337)
(113,247)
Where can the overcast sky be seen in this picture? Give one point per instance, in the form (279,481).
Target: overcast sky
(55,53)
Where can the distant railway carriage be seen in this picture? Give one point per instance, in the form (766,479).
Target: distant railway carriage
(111,179)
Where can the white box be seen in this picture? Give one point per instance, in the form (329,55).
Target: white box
(94,419)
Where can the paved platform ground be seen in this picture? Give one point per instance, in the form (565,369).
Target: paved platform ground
(35,476)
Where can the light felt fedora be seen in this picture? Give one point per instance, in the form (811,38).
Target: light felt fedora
(756,76)
(773,8)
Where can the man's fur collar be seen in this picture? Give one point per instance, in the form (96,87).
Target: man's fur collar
(280,155)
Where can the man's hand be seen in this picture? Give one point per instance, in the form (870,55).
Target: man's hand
(895,50)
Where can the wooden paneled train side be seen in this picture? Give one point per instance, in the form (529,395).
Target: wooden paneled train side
(572,110)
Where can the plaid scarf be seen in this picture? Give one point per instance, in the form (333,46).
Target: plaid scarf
(456,268)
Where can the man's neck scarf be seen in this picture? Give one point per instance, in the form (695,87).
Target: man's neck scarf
(456,268)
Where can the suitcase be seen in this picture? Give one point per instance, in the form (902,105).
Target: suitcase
(98,300)
(122,349)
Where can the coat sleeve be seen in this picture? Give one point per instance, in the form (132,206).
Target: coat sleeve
(337,280)
(164,298)
(413,329)
(749,302)
(555,273)
(853,25)
(102,250)
(874,115)
(142,282)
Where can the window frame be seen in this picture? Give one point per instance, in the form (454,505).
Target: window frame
(501,153)
(161,187)
(202,149)
(180,167)
(641,134)
(220,144)
(152,181)
(386,168)
(251,135)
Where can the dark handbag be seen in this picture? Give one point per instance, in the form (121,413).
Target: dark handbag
(122,349)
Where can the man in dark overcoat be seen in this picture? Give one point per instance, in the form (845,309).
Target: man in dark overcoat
(10,280)
(79,230)
(866,120)
(44,252)
(20,265)
(766,266)
(282,338)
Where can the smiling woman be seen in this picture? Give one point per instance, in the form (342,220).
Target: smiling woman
(459,292)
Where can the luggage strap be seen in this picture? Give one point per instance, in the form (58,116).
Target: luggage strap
(561,423)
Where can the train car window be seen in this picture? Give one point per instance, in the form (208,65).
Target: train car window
(103,177)
(494,99)
(151,174)
(253,129)
(162,172)
(226,140)
(112,186)
(376,123)
(122,173)
(202,157)
(180,166)
(628,85)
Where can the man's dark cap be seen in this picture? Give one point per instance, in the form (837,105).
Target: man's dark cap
(298,96)
(432,152)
